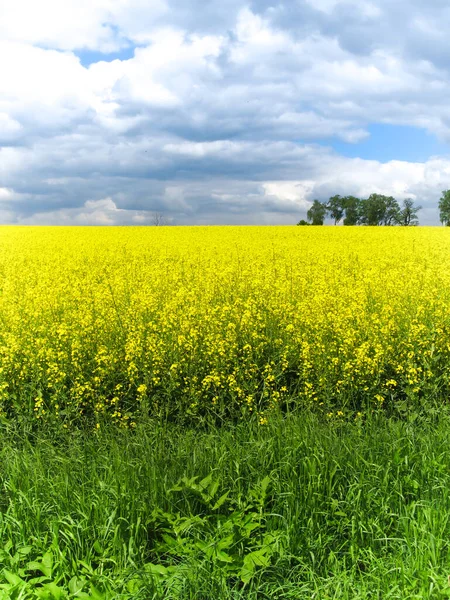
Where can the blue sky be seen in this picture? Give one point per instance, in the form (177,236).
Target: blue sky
(88,57)
(387,142)
(230,112)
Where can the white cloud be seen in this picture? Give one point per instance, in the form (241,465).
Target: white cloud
(218,114)
(9,128)
(6,194)
(292,195)
(68,24)
(93,212)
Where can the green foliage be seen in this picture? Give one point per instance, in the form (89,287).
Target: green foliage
(352,208)
(316,214)
(303,222)
(408,213)
(228,532)
(378,209)
(444,207)
(299,508)
(335,208)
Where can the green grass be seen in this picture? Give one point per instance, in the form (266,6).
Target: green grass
(299,508)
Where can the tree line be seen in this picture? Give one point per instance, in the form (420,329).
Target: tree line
(377,209)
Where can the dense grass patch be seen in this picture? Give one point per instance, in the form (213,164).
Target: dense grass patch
(298,508)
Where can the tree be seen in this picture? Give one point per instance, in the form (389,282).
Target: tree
(444,207)
(158,219)
(378,209)
(335,208)
(391,211)
(316,214)
(372,210)
(302,222)
(352,208)
(408,213)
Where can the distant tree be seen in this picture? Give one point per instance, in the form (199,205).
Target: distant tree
(302,222)
(391,211)
(352,208)
(372,210)
(408,213)
(316,214)
(378,209)
(444,207)
(158,219)
(335,208)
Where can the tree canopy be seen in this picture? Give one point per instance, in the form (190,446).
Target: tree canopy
(444,207)
(408,213)
(335,208)
(377,209)
(317,213)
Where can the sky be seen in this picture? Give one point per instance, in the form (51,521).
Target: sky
(231,112)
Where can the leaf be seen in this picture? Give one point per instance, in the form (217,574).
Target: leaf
(246,573)
(204,483)
(212,490)
(76,584)
(264,484)
(258,558)
(159,571)
(47,561)
(272,540)
(226,542)
(176,488)
(251,561)
(170,541)
(221,500)
(97,547)
(50,591)
(223,556)
(203,546)
(13,578)
(39,566)
(133,585)
(259,492)
(155,569)
(86,566)
(249,525)
(96,594)
(37,580)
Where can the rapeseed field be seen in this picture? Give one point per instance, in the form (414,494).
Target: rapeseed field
(224,412)
(206,324)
